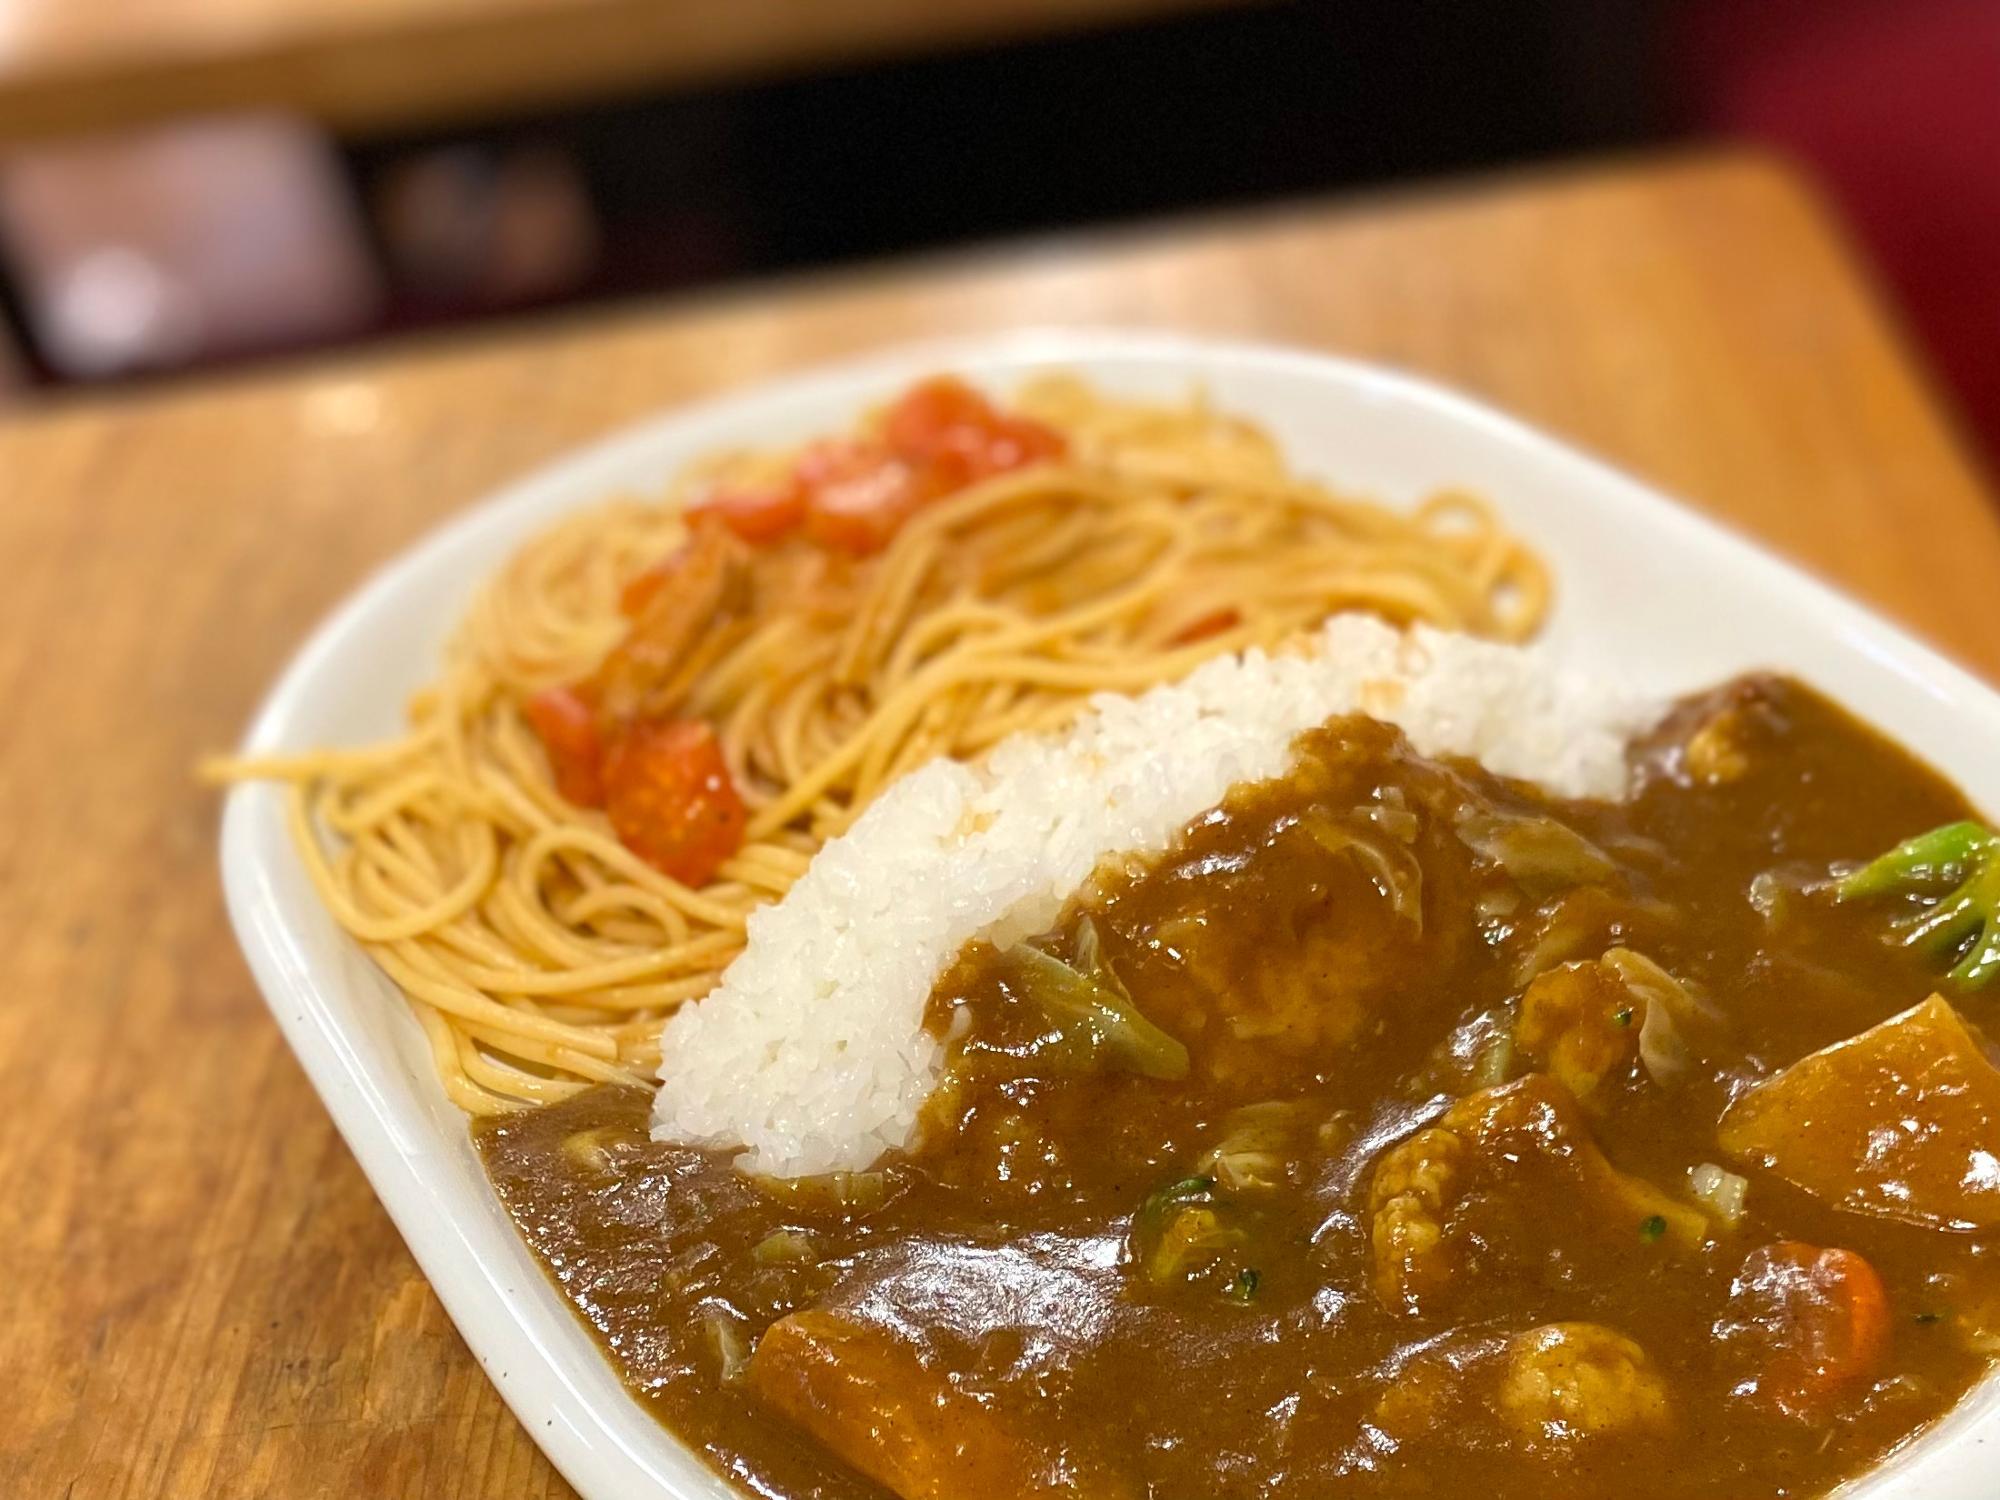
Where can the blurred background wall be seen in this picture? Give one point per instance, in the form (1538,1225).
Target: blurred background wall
(187,184)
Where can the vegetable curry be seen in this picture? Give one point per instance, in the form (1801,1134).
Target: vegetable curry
(1402,1131)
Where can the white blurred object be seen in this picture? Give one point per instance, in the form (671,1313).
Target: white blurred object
(115,307)
(206,239)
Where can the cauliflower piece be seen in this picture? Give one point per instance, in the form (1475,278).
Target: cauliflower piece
(1579,1021)
(1414,1183)
(1567,1383)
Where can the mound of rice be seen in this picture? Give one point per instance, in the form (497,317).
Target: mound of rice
(811,1053)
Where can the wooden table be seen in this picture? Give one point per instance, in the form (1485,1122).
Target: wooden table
(356,65)
(198,1294)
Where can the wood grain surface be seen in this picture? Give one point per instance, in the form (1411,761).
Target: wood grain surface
(198,1294)
(358,65)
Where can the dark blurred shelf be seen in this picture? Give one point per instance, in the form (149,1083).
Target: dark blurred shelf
(363,66)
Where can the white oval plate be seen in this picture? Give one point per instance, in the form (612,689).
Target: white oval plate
(1646,591)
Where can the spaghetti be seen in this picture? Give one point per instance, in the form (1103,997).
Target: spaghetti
(541,952)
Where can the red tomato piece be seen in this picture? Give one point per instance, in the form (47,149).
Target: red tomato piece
(1016,442)
(941,436)
(758,516)
(858,494)
(946,423)
(1812,1325)
(671,801)
(927,416)
(566,724)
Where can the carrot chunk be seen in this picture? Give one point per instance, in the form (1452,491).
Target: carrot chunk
(1812,1325)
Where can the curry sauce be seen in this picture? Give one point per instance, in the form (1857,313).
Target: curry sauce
(1370,1142)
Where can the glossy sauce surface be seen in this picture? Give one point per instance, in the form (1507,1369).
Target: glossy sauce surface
(1420,1214)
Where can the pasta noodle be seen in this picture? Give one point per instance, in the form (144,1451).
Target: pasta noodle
(541,954)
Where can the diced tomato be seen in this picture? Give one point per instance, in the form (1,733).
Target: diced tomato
(946,423)
(1016,442)
(859,494)
(1213,623)
(856,493)
(566,724)
(757,515)
(929,412)
(671,800)
(1813,1325)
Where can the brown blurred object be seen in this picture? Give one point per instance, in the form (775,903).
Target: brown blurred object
(139,252)
(12,376)
(485,226)
(360,65)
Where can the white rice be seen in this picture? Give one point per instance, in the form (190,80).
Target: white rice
(811,1052)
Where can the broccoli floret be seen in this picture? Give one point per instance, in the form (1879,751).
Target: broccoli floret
(1954,874)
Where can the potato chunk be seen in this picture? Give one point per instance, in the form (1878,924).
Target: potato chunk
(1902,1121)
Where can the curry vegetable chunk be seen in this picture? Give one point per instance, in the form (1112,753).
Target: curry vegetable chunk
(875,1403)
(1569,1383)
(1400,1132)
(1580,1021)
(1955,873)
(1415,1185)
(1901,1121)
(1440,1198)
